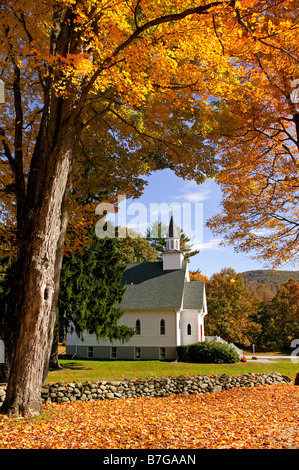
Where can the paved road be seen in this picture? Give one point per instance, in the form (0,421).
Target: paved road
(267,359)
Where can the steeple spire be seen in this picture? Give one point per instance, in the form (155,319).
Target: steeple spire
(172,256)
(173,238)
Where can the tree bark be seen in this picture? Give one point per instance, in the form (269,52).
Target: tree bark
(52,349)
(42,212)
(39,260)
(53,362)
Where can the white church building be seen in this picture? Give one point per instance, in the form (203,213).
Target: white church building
(164,307)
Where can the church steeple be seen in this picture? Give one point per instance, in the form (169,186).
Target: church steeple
(172,256)
(173,237)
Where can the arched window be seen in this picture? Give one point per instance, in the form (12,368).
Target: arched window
(188,329)
(162,327)
(138,327)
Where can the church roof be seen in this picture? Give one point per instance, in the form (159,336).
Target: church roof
(193,295)
(149,287)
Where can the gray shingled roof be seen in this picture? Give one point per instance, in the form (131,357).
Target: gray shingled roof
(193,295)
(149,287)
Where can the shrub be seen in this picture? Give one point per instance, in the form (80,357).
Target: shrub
(208,352)
(182,353)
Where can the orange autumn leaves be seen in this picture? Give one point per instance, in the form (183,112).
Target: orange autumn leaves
(264,417)
(146,82)
(259,141)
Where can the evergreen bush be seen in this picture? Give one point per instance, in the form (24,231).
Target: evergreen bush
(208,352)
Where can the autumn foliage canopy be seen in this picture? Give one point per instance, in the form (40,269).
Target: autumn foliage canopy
(258,138)
(164,86)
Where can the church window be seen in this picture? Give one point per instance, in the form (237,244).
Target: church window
(162,353)
(138,327)
(162,327)
(137,353)
(188,329)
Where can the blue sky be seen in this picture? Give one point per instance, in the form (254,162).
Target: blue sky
(166,190)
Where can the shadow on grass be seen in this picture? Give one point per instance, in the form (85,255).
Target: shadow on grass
(74,366)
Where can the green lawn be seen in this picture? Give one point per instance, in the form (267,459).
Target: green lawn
(84,370)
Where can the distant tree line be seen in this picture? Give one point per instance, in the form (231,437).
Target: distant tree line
(268,277)
(252,315)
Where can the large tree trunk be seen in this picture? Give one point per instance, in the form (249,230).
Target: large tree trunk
(38,268)
(52,349)
(42,215)
(9,333)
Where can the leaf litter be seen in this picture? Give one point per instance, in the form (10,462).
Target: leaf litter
(265,417)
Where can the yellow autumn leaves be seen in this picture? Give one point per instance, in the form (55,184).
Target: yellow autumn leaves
(264,417)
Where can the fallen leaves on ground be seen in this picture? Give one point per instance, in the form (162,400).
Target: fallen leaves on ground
(265,417)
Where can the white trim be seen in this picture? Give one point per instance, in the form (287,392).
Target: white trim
(178,327)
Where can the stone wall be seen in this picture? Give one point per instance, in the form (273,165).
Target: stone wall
(155,387)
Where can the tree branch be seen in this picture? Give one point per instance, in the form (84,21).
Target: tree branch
(281,49)
(176,86)
(7,151)
(18,142)
(108,62)
(96,114)
(217,35)
(145,136)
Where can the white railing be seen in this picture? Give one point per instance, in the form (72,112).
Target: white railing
(218,339)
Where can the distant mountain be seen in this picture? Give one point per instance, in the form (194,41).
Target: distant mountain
(269,277)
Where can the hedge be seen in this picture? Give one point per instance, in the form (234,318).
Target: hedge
(208,352)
